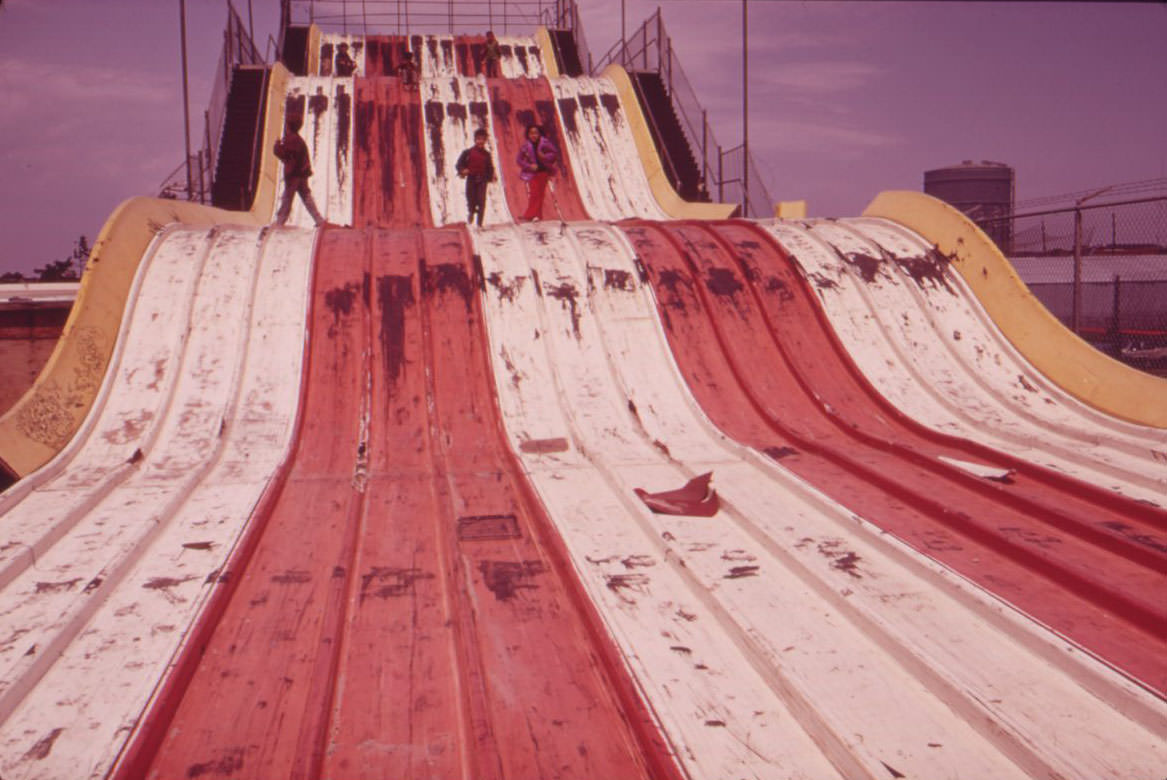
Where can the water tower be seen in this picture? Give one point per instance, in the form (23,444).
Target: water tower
(983,191)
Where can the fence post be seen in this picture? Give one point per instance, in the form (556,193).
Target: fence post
(705,149)
(720,176)
(211,153)
(1116,319)
(1076,316)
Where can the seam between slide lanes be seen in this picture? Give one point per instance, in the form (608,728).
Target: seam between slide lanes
(11,695)
(134,758)
(645,721)
(668,678)
(1117,536)
(894,637)
(124,468)
(1055,516)
(1120,441)
(1003,434)
(1098,380)
(1078,489)
(482,757)
(1121,693)
(323,685)
(215,513)
(116,573)
(646,749)
(1147,437)
(61,460)
(963,525)
(810,721)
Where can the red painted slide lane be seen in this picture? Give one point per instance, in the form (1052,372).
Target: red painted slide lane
(753,347)
(409,610)
(388,167)
(516,104)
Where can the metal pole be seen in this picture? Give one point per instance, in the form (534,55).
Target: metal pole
(185,97)
(660,36)
(1076,317)
(1115,318)
(250,23)
(720,177)
(705,148)
(623,35)
(745,109)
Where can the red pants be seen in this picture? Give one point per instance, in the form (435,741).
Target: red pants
(536,188)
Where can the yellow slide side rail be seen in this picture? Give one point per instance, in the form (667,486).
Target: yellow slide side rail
(662,189)
(1049,346)
(45,418)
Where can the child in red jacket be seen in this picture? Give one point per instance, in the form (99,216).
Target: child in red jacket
(476,166)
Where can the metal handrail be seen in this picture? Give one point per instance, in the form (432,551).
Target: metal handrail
(238,49)
(1071,209)
(404,17)
(649,49)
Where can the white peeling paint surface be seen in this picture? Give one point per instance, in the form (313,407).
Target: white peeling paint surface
(135,548)
(356,50)
(328,131)
(450,98)
(520,57)
(605,161)
(929,349)
(762,655)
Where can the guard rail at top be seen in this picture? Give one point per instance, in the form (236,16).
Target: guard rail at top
(662,188)
(1053,349)
(43,421)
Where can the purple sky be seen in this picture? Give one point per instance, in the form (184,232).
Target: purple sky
(846,99)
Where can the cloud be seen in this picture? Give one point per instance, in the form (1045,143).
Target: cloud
(785,135)
(819,77)
(42,87)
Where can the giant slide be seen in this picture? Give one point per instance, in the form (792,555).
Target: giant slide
(392,498)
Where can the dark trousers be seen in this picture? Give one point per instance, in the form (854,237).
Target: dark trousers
(294,185)
(475,197)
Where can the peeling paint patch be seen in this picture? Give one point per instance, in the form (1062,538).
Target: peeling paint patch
(618,280)
(474,528)
(161,583)
(227,765)
(931,267)
(723,281)
(544,446)
(569,295)
(865,264)
(57,587)
(292,577)
(778,453)
(506,578)
(386,582)
(43,746)
(394,296)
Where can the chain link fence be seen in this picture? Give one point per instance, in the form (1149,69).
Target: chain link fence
(1099,268)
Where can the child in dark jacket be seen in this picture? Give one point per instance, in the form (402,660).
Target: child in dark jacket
(476,166)
(292,150)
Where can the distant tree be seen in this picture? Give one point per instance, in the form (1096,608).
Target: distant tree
(12,276)
(67,268)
